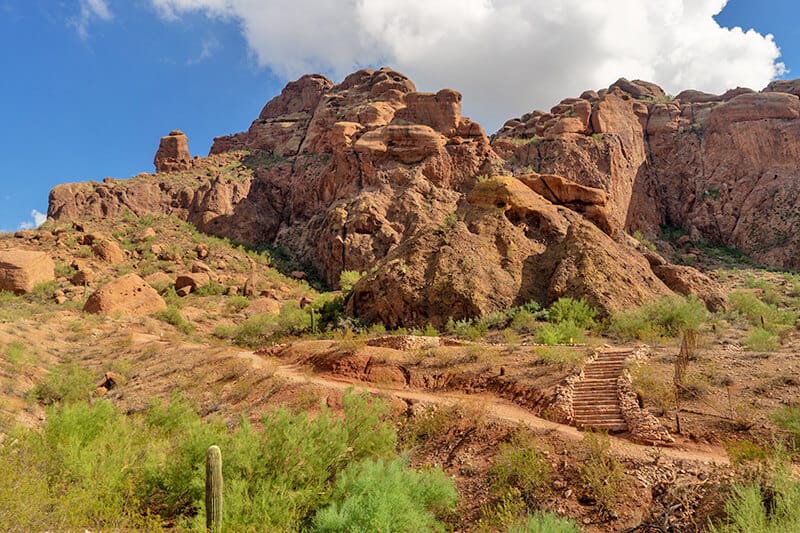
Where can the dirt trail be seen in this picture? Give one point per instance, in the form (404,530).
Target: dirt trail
(499,409)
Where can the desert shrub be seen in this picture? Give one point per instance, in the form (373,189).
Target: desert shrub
(171,315)
(494,320)
(579,312)
(602,478)
(520,464)
(465,329)
(428,331)
(386,497)
(6,296)
(260,329)
(67,384)
(212,288)
(503,513)
(566,332)
(542,522)
(760,340)
(761,314)
(561,356)
(237,303)
(15,353)
(93,467)
(745,451)
(656,391)
(639,236)
(788,419)
(772,507)
(64,270)
(348,279)
(524,321)
(667,317)
(43,292)
(171,297)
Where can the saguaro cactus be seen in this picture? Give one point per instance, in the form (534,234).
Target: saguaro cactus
(214,489)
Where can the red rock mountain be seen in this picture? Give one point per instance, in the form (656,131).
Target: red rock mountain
(372,175)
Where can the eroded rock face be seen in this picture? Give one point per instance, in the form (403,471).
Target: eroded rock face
(129,295)
(173,153)
(371,174)
(724,167)
(21,270)
(507,246)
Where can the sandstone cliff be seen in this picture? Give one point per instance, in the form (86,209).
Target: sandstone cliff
(371,175)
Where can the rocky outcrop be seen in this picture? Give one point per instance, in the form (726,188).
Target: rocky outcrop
(22,270)
(173,153)
(506,245)
(372,175)
(690,281)
(129,295)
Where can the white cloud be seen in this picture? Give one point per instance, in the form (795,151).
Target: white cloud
(38,220)
(505,56)
(89,11)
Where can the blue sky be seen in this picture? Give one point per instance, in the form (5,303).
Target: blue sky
(89,86)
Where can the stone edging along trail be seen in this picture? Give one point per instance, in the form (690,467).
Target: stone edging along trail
(499,409)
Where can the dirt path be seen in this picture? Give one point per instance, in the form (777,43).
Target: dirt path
(499,409)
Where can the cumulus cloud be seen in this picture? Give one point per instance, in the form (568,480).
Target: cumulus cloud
(38,220)
(89,11)
(505,56)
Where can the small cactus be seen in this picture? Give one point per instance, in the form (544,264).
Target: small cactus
(214,489)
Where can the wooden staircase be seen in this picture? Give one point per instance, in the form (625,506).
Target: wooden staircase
(594,402)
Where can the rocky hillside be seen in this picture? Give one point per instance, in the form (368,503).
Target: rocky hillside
(371,175)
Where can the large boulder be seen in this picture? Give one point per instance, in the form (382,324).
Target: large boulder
(690,281)
(21,270)
(129,295)
(173,153)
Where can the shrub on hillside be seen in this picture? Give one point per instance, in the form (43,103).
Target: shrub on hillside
(579,312)
(566,332)
(667,317)
(602,478)
(379,496)
(93,467)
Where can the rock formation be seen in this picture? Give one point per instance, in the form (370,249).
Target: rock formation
(173,153)
(21,270)
(129,295)
(371,175)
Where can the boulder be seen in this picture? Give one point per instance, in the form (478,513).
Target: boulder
(129,295)
(173,153)
(21,270)
(190,282)
(690,281)
(108,250)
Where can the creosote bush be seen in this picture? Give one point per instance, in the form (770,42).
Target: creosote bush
(667,317)
(602,478)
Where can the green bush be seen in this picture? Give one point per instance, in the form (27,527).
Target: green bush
(602,478)
(524,321)
(171,315)
(774,508)
(761,314)
(788,419)
(67,384)
(520,464)
(375,496)
(237,303)
(667,317)
(579,312)
(348,279)
(566,332)
(542,522)
(212,288)
(93,467)
(260,329)
(760,340)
